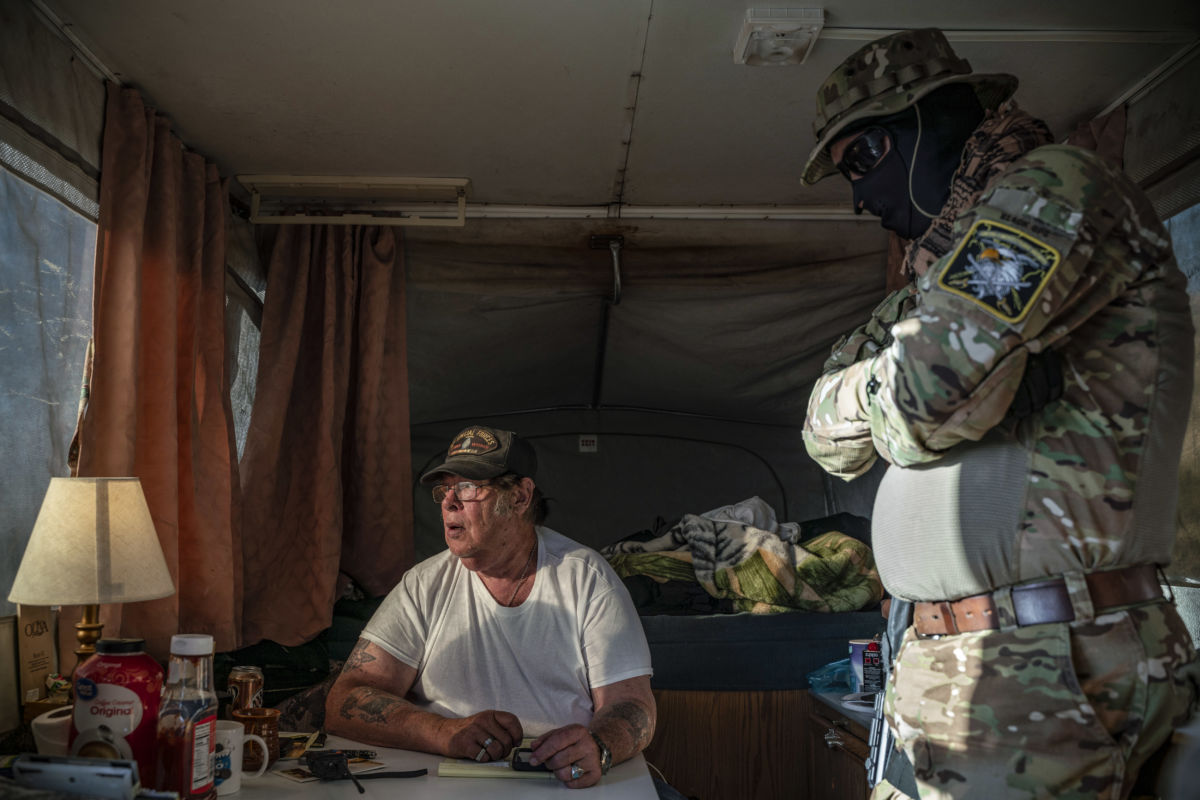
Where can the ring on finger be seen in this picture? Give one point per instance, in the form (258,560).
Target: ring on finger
(483,753)
(576,772)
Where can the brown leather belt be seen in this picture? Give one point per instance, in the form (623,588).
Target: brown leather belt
(1039,603)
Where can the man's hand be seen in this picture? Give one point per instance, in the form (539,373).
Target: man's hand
(486,736)
(1041,384)
(564,748)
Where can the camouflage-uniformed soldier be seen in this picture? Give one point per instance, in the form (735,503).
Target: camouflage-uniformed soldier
(1025,523)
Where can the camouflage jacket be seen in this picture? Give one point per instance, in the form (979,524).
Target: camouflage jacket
(1060,251)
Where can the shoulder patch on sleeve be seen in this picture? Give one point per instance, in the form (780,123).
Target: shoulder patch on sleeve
(999,268)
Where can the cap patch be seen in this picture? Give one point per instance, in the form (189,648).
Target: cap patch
(1000,268)
(473,442)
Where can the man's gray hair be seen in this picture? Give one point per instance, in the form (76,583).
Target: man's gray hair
(538,508)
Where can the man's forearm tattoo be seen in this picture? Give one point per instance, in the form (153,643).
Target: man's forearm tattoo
(358,658)
(633,717)
(368,705)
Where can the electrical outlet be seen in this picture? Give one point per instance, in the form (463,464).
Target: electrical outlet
(588,443)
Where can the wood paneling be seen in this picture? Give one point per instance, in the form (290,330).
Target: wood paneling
(769,745)
(732,745)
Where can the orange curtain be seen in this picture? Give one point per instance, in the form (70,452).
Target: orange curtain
(158,404)
(326,474)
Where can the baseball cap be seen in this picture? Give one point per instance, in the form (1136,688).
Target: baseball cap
(479,452)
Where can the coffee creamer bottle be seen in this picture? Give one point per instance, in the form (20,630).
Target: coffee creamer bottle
(187,718)
(117,691)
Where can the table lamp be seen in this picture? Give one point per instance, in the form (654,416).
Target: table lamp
(94,542)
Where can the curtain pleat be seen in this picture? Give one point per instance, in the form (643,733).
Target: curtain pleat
(158,405)
(325,472)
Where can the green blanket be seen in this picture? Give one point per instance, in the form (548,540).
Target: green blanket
(757,569)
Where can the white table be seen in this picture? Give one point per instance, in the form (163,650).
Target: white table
(629,780)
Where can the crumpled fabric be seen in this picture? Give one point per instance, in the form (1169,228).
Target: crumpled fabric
(759,570)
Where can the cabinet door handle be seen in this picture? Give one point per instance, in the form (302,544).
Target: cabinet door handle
(833,739)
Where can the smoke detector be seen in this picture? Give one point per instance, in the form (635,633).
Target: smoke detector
(777,36)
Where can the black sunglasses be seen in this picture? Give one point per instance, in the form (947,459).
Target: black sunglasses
(864,153)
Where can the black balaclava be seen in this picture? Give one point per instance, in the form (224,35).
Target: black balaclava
(906,193)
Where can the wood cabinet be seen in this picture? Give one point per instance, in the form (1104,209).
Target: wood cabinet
(835,750)
(758,745)
(731,745)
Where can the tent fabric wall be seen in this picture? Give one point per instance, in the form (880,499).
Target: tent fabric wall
(1162,153)
(647,465)
(1162,143)
(732,330)
(46,256)
(51,110)
(695,383)
(1184,229)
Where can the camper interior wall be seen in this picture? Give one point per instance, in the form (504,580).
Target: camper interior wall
(694,377)
(1162,153)
(694,382)
(646,467)
(51,109)
(1162,140)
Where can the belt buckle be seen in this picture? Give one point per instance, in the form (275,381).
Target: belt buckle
(1042,602)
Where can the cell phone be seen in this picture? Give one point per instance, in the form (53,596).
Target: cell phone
(520,761)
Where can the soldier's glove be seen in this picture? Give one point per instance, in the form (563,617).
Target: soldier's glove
(1041,384)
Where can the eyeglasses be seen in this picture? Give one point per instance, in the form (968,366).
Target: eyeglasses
(466,491)
(864,153)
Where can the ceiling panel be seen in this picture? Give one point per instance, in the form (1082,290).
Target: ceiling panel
(750,147)
(535,100)
(524,98)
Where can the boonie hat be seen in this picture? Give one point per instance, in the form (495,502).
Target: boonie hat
(478,452)
(887,76)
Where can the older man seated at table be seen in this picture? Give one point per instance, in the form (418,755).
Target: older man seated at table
(513,631)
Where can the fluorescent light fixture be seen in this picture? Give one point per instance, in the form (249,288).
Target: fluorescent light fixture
(356,200)
(777,36)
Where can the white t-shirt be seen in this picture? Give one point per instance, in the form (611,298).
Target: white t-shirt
(578,629)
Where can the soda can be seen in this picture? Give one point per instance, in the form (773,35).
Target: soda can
(245,688)
(872,667)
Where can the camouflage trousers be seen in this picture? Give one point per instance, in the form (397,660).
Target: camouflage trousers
(1067,710)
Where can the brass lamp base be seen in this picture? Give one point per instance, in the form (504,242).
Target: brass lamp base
(87,633)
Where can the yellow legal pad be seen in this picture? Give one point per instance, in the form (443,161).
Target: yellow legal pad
(465,768)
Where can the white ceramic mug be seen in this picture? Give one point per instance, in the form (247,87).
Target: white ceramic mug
(230,741)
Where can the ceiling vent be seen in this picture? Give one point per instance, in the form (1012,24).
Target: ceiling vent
(343,200)
(776,37)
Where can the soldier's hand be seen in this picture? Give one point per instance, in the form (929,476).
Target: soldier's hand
(1041,384)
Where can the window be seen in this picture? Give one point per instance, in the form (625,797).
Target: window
(1184,229)
(245,290)
(47,253)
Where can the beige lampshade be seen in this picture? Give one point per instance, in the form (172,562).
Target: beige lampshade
(93,543)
